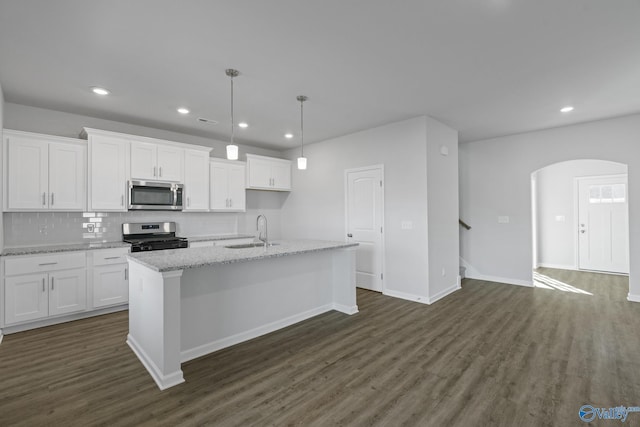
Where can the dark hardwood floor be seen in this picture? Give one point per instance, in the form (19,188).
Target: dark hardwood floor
(489,354)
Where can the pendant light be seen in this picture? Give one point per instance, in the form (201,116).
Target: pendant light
(302,160)
(232,149)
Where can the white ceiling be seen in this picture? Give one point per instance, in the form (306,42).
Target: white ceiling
(484,67)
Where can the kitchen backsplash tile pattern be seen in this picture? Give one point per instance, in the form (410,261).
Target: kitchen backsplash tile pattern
(44,228)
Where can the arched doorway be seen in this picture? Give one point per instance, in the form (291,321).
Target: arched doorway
(580,216)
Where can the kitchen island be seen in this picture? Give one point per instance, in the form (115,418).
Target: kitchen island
(185,303)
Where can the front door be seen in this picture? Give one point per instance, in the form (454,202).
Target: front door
(364,214)
(603,224)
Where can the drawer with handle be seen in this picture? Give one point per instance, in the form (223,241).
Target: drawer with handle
(39,263)
(110,256)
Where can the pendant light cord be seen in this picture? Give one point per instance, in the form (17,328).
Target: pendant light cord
(301,129)
(232,129)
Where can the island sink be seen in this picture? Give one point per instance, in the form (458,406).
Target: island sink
(249,245)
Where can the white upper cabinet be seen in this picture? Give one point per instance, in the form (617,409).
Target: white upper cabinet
(144,161)
(268,173)
(227,186)
(151,161)
(196,180)
(67,177)
(44,172)
(107,172)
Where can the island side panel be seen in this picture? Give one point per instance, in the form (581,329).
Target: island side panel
(226,304)
(154,322)
(344,280)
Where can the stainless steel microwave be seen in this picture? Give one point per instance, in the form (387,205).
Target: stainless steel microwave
(152,195)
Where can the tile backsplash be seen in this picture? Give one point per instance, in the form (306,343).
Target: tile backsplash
(43,228)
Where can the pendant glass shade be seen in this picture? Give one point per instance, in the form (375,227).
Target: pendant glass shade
(232,152)
(302,163)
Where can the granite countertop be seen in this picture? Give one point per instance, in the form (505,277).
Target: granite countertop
(179,259)
(218,237)
(44,249)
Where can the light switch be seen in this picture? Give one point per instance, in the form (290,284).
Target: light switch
(444,150)
(406,225)
(560,218)
(503,220)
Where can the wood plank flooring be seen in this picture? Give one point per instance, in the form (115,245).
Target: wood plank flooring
(489,354)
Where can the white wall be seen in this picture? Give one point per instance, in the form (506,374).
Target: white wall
(316,209)
(495,177)
(442,196)
(2,104)
(51,122)
(557,238)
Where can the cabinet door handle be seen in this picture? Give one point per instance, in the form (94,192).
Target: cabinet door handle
(122,200)
(154,171)
(126,274)
(52,283)
(112,257)
(51,199)
(160,171)
(230,203)
(44,199)
(48,263)
(43,289)
(188,200)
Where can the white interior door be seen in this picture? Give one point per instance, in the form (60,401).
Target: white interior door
(603,224)
(364,217)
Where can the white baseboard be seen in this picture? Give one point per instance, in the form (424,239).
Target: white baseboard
(201,350)
(163,381)
(506,280)
(406,296)
(633,298)
(557,266)
(62,319)
(445,292)
(472,273)
(345,308)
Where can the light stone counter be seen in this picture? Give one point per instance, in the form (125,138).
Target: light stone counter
(180,259)
(44,249)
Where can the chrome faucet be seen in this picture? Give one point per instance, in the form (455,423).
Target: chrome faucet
(265,240)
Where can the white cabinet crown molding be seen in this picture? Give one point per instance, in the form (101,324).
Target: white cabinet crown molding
(90,131)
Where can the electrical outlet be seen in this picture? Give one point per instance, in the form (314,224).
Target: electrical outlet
(503,220)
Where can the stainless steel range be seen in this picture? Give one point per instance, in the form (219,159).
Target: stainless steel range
(152,236)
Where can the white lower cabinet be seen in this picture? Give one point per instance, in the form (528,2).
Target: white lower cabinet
(45,288)
(26,298)
(67,291)
(110,285)
(36,296)
(110,277)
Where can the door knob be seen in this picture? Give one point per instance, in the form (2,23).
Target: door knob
(582,231)
(349,235)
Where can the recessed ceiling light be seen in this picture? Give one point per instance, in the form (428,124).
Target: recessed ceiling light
(288,135)
(566,109)
(243,125)
(183,110)
(99,90)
